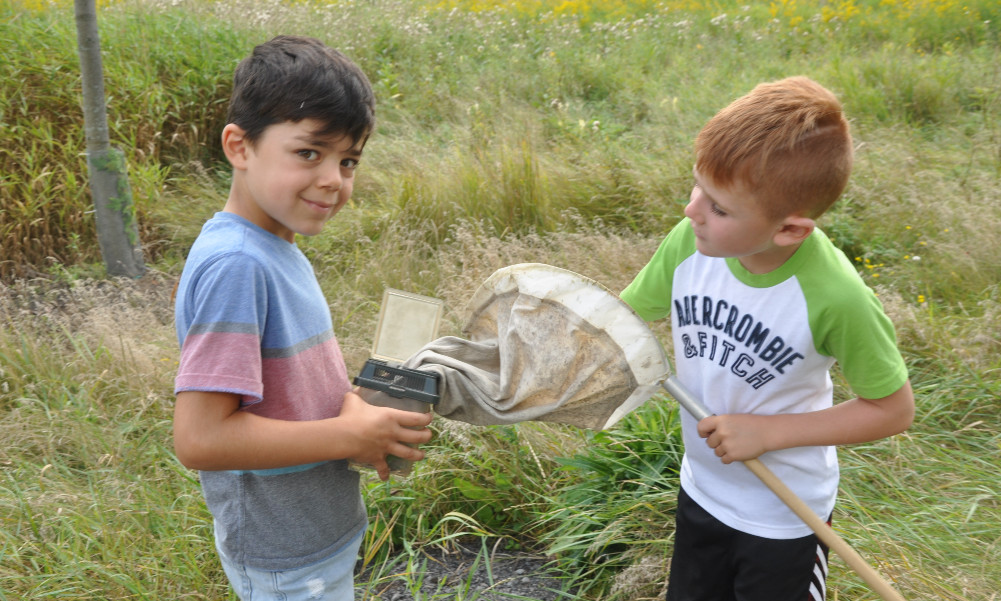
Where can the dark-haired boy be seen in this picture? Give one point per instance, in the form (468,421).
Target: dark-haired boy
(264,404)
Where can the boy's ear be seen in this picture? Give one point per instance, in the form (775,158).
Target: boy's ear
(794,230)
(235,145)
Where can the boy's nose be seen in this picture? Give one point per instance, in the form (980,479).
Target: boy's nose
(330,177)
(691,211)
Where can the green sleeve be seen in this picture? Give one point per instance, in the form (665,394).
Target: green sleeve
(849,324)
(649,294)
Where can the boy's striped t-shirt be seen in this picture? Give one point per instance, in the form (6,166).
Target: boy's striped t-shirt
(252,321)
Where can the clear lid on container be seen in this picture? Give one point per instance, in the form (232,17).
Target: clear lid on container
(407,322)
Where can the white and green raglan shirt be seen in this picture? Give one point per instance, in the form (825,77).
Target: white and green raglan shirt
(764,344)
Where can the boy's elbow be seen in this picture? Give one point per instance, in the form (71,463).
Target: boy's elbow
(197,428)
(184,454)
(908,419)
(905,410)
(904,420)
(190,452)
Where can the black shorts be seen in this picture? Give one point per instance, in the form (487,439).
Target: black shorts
(714,562)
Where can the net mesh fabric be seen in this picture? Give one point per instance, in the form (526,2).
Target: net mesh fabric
(545,344)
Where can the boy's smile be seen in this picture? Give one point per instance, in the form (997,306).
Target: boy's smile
(290,181)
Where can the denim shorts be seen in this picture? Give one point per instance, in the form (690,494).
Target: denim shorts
(331,579)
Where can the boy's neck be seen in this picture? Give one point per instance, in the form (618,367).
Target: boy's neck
(770,260)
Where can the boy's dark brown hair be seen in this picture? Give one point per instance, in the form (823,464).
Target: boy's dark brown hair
(291,78)
(786,142)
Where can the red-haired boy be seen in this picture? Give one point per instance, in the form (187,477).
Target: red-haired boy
(762,305)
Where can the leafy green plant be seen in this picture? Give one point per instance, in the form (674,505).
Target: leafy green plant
(614,512)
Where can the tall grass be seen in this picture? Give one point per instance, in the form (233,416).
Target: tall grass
(165,85)
(508,132)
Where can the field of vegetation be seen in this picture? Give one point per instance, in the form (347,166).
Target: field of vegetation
(514,131)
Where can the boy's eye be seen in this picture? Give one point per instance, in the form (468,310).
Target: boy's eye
(716,210)
(309,155)
(350,163)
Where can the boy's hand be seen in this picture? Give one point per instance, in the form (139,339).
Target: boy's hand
(382,431)
(736,437)
(739,437)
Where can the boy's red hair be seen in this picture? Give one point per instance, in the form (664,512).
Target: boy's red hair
(787,142)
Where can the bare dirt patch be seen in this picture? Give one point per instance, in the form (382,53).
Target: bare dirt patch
(466,572)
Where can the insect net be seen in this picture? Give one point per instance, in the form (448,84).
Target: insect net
(545,344)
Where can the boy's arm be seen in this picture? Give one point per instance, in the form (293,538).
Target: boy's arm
(210,433)
(739,437)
